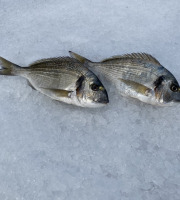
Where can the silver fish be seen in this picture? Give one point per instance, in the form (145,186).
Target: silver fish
(64,79)
(138,75)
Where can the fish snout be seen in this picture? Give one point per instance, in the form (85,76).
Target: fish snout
(103,101)
(102,98)
(177,96)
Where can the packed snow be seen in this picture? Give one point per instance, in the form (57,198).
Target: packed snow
(49,150)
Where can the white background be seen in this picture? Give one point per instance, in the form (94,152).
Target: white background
(54,151)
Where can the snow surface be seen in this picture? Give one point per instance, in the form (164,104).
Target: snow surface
(53,151)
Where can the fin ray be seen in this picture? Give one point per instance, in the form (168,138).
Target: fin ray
(78,57)
(51,60)
(8,68)
(139,88)
(56,93)
(141,56)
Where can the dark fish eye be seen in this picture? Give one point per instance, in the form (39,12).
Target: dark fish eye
(95,87)
(174,88)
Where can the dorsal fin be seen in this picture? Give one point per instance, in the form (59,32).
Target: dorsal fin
(141,56)
(56,59)
(78,57)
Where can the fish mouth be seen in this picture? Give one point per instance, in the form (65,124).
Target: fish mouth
(102,101)
(177,97)
(102,98)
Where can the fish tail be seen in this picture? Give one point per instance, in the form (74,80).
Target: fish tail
(8,68)
(78,57)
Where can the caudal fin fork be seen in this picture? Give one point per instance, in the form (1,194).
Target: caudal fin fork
(7,67)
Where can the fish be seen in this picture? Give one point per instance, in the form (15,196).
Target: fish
(137,75)
(63,79)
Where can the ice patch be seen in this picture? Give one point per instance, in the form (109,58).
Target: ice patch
(126,150)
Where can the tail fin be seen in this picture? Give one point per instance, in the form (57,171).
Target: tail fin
(78,57)
(8,68)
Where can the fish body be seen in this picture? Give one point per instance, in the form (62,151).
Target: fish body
(64,79)
(138,75)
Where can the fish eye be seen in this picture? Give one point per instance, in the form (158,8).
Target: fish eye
(174,88)
(95,87)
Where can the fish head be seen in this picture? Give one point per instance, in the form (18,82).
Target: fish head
(91,92)
(167,90)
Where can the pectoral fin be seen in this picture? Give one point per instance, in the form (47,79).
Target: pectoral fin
(55,93)
(139,88)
